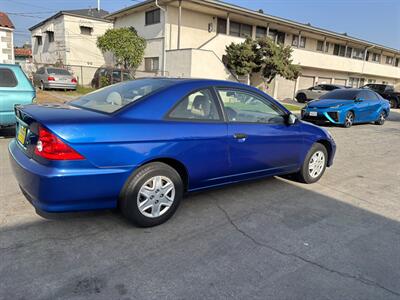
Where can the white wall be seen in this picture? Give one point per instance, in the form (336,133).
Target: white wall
(6,46)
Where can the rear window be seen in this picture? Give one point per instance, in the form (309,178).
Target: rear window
(57,71)
(112,98)
(341,95)
(7,78)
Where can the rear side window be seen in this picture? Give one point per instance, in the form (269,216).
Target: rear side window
(7,78)
(341,94)
(199,105)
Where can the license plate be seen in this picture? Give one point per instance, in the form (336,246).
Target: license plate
(21,136)
(313,113)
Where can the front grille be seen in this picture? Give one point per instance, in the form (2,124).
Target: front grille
(319,118)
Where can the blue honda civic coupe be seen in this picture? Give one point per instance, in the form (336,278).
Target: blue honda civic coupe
(346,107)
(141,145)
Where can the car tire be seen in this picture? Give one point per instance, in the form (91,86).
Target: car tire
(146,199)
(381,119)
(393,103)
(42,86)
(314,164)
(349,119)
(301,98)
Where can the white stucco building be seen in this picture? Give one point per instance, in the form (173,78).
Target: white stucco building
(188,39)
(69,38)
(6,39)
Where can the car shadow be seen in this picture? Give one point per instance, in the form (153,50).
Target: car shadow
(248,240)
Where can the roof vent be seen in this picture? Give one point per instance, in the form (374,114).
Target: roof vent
(260,11)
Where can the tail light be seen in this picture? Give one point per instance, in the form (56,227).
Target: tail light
(51,78)
(73,80)
(49,146)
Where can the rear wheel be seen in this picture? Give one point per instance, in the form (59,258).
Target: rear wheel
(151,195)
(301,98)
(381,119)
(314,164)
(393,103)
(349,119)
(42,86)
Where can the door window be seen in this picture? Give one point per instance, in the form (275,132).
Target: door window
(199,105)
(246,107)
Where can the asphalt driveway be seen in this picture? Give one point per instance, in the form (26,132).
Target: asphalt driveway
(268,239)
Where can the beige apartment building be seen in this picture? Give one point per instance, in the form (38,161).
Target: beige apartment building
(187,38)
(69,38)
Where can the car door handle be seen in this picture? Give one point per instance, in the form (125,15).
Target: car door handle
(240,136)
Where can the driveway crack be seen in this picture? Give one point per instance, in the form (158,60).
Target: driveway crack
(360,279)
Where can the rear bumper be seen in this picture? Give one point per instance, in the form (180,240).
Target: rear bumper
(54,85)
(52,189)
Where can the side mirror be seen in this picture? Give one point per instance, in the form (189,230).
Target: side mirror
(291,119)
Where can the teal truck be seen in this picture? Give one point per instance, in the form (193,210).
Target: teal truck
(15,88)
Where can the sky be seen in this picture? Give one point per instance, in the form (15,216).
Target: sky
(377,21)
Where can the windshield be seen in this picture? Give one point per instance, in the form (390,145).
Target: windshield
(341,95)
(111,98)
(57,71)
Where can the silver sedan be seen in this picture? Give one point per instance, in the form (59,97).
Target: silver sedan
(54,78)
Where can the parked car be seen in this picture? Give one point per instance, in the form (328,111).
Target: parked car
(54,78)
(110,75)
(15,88)
(387,92)
(347,107)
(315,92)
(141,145)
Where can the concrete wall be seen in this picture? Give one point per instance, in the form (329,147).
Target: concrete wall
(82,49)
(6,46)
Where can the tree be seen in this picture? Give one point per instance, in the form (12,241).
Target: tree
(126,45)
(261,56)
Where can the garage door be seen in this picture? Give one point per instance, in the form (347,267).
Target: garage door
(285,89)
(324,80)
(305,82)
(340,81)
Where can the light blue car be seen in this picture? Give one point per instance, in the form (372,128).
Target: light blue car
(15,88)
(347,107)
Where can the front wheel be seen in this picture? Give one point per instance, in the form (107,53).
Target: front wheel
(349,119)
(151,195)
(301,98)
(314,164)
(381,119)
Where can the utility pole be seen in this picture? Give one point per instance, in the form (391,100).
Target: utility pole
(98,5)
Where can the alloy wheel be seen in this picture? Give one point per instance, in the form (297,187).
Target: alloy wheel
(156,196)
(316,164)
(349,119)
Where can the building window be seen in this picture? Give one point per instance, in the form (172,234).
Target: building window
(358,53)
(221,26)
(320,46)
(339,50)
(356,82)
(50,35)
(153,16)
(86,30)
(376,57)
(240,30)
(261,32)
(389,60)
(371,80)
(277,36)
(295,41)
(397,62)
(39,40)
(151,64)
(349,52)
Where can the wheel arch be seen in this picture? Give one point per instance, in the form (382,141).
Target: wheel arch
(328,147)
(176,165)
